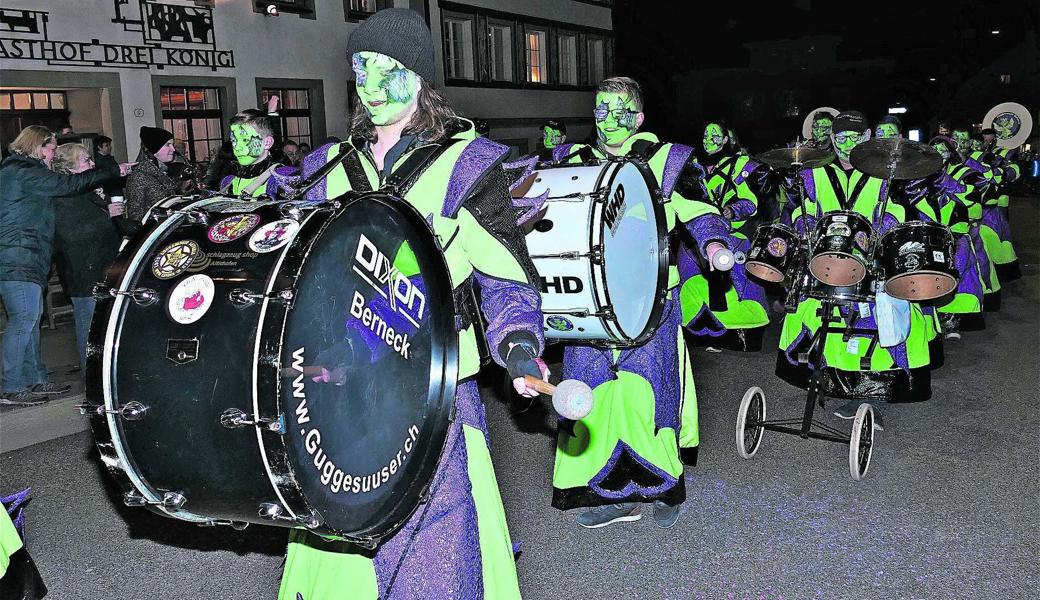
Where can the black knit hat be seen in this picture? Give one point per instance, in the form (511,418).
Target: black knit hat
(399,33)
(850,120)
(891,120)
(154,138)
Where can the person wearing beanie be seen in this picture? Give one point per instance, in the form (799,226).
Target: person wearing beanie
(857,365)
(726,309)
(457,545)
(150,182)
(888,127)
(629,454)
(255,172)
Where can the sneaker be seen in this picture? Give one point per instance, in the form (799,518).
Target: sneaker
(665,516)
(712,349)
(50,388)
(952,335)
(23,398)
(601,516)
(848,410)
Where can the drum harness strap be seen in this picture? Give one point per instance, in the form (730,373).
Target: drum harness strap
(846,202)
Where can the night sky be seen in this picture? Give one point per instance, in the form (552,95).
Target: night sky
(916,40)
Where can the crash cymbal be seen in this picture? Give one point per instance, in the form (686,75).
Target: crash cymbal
(895,158)
(802,157)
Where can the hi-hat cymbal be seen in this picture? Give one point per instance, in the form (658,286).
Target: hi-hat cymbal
(802,157)
(895,158)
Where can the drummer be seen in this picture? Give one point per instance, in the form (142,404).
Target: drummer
(888,127)
(255,172)
(857,366)
(727,309)
(631,448)
(984,177)
(458,545)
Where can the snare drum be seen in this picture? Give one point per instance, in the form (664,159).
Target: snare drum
(260,363)
(842,247)
(601,252)
(773,252)
(917,259)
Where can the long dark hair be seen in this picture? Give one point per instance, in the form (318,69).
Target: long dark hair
(430,122)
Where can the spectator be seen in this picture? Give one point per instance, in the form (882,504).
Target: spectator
(151,181)
(27,191)
(291,153)
(305,149)
(221,165)
(65,130)
(103,159)
(85,240)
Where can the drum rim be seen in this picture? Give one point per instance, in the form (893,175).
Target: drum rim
(915,224)
(406,501)
(657,308)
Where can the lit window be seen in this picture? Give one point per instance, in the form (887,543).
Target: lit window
(568,59)
(1005,78)
(458,48)
(536,57)
(597,60)
(294,112)
(500,51)
(193,116)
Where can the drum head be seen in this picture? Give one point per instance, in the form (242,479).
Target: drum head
(369,365)
(633,249)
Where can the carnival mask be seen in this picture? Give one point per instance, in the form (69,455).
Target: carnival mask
(885,131)
(551,137)
(617,118)
(386,87)
(821,129)
(714,138)
(247,144)
(963,139)
(845,141)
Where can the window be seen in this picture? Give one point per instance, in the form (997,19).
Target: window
(458,48)
(294,113)
(500,51)
(19,100)
(537,56)
(193,115)
(597,56)
(1005,78)
(357,10)
(568,59)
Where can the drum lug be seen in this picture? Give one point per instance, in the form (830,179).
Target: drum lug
(272,511)
(170,500)
(242,297)
(596,256)
(234,418)
(236,525)
(131,411)
(141,296)
(291,211)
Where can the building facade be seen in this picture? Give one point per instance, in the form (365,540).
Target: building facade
(107,67)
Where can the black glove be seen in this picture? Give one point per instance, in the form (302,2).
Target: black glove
(518,350)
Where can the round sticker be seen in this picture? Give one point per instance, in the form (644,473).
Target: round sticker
(559,323)
(232,228)
(190,299)
(273,236)
(174,259)
(839,229)
(1007,125)
(777,247)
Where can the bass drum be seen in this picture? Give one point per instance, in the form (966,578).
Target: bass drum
(291,366)
(601,252)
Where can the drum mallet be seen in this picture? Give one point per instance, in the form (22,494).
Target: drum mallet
(572,399)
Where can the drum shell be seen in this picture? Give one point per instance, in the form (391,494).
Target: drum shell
(773,252)
(841,250)
(917,261)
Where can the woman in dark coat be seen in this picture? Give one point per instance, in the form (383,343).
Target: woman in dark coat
(27,192)
(85,240)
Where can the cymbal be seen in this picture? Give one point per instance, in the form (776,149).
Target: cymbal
(802,157)
(895,158)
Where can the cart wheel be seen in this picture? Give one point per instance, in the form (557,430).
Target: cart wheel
(861,442)
(750,415)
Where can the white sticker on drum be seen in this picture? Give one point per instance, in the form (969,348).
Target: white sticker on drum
(853,346)
(840,218)
(190,299)
(864,310)
(273,236)
(938,256)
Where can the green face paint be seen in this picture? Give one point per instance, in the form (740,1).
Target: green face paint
(386,88)
(246,143)
(943,151)
(615,118)
(976,144)
(551,138)
(963,139)
(714,137)
(845,141)
(821,129)
(886,130)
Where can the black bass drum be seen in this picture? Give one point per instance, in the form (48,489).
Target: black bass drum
(291,365)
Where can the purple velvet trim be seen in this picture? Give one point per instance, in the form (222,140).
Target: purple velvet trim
(437,552)
(509,306)
(742,209)
(532,206)
(678,155)
(983,258)
(742,176)
(15,506)
(226,181)
(708,228)
(311,163)
(282,180)
(559,152)
(480,156)
(631,488)
(526,167)
(967,265)
(657,361)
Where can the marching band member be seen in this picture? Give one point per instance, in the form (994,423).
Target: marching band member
(255,172)
(726,309)
(888,127)
(856,366)
(974,160)
(631,448)
(995,209)
(554,134)
(462,549)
